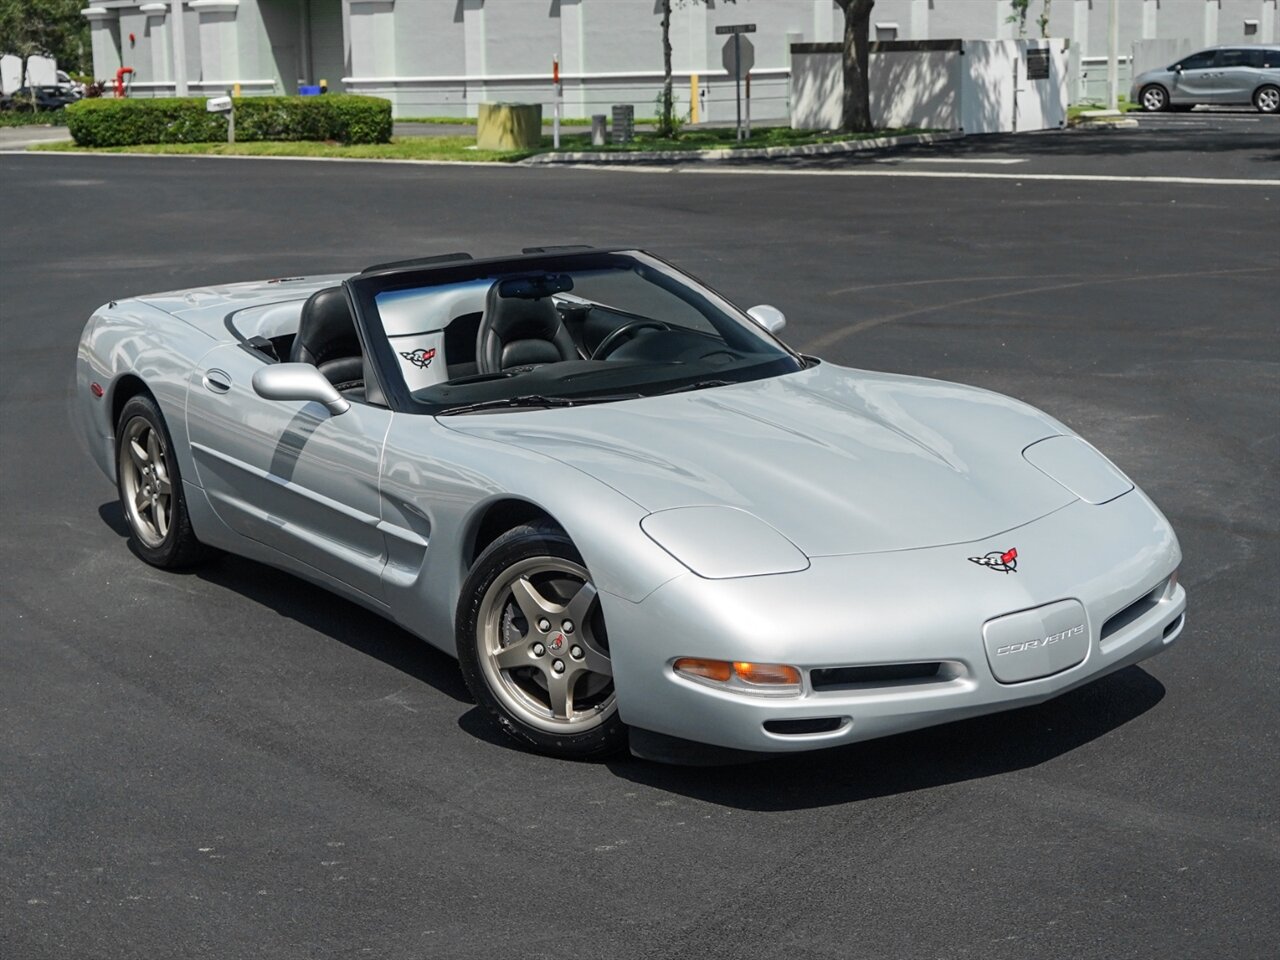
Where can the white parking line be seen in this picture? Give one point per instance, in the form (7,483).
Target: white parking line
(975,175)
(990,160)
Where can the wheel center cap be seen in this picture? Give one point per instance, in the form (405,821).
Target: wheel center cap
(557,643)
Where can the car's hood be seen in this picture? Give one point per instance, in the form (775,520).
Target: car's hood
(838,461)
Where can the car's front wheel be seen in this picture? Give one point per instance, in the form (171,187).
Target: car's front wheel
(150,487)
(1154,98)
(1267,99)
(533,648)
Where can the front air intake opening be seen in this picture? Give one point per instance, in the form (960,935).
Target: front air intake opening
(878,675)
(1144,604)
(800,728)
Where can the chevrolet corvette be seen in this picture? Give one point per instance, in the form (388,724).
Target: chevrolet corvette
(633,513)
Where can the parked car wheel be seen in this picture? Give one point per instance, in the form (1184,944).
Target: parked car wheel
(533,648)
(150,488)
(1267,99)
(1154,98)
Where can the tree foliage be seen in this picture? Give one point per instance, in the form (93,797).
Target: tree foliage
(1022,9)
(53,28)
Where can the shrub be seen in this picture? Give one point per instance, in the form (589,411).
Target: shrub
(111,122)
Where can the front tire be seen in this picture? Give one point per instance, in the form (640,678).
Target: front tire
(150,488)
(1267,99)
(1154,98)
(533,649)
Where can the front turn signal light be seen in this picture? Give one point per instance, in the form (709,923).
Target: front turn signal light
(771,674)
(740,675)
(718,670)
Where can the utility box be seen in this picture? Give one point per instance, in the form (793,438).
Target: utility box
(509,126)
(624,123)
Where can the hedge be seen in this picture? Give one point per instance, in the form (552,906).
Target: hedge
(111,122)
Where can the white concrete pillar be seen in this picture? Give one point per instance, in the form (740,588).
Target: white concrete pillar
(219,45)
(1211,11)
(1080,26)
(919,20)
(104,35)
(573,58)
(157,27)
(1267,24)
(1150,11)
(474,52)
(828,22)
(373,38)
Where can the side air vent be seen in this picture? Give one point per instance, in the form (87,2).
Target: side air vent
(880,675)
(1132,612)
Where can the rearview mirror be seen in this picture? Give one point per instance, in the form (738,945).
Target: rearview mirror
(298,381)
(771,318)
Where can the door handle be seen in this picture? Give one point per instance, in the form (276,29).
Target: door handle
(219,381)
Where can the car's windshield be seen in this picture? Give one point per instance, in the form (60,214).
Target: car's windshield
(586,328)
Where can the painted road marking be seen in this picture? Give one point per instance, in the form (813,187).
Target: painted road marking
(991,160)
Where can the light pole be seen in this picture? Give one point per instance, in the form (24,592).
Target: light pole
(1113,56)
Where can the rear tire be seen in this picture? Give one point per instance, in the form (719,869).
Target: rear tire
(1267,99)
(1154,98)
(533,649)
(150,488)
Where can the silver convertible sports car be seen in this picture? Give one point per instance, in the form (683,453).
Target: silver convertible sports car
(631,512)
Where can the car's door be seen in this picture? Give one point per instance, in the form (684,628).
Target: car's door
(1238,71)
(289,474)
(1196,81)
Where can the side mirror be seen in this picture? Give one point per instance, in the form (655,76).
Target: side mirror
(771,318)
(298,381)
(1176,68)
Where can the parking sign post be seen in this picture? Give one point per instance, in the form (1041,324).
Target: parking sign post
(739,57)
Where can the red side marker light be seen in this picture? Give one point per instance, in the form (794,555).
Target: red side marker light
(1009,556)
(96,389)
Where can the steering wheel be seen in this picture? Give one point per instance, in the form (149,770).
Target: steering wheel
(607,345)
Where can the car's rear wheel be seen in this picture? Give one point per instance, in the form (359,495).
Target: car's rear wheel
(150,487)
(533,648)
(1267,99)
(1154,98)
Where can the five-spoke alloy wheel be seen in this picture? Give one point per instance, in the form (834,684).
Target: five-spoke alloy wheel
(533,647)
(151,489)
(1267,99)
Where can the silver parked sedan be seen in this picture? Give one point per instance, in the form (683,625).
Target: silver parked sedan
(1220,76)
(634,514)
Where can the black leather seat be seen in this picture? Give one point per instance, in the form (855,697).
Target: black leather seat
(518,332)
(327,339)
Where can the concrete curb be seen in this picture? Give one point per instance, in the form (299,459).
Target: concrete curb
(752,153)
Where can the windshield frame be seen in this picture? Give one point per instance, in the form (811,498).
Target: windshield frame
(364,289)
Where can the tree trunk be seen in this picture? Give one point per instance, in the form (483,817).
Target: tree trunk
(665,124)
(856,115)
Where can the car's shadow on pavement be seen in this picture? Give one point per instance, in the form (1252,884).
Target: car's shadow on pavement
(951,753)
(955,752)
(322,611)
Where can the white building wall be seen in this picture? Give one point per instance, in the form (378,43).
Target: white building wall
(448,56)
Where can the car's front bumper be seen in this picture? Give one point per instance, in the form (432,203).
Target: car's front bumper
(908,607)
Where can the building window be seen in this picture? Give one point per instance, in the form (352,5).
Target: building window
(1251,28)
(886,31)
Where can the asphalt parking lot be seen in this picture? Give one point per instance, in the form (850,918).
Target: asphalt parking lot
(232,763)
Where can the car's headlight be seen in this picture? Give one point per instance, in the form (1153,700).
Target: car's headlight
(1079,467)
(723,542)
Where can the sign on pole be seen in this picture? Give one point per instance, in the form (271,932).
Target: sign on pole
(42,72)
(738,56)
(10,73)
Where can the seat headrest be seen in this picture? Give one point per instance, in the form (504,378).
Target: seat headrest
(326,329)
(519,319)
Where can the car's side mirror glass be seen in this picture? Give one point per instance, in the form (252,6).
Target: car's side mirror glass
(298,381)
(771,318)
